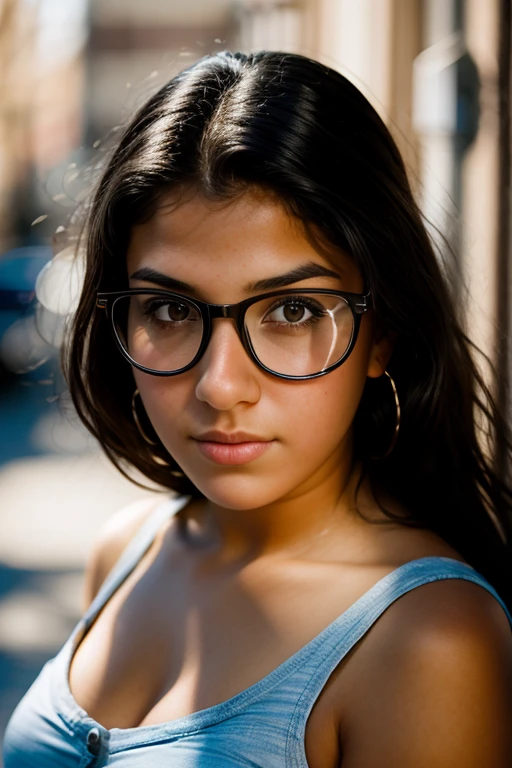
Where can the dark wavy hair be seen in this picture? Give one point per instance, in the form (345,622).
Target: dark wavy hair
(294,128)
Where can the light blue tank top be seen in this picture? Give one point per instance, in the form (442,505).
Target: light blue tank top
(261,727)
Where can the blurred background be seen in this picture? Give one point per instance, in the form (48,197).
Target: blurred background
(71,71)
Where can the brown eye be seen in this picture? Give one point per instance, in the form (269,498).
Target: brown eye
(173,312)
(293,312)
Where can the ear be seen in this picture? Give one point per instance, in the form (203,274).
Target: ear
(380,352)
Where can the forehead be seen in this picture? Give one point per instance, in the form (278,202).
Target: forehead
(243,240)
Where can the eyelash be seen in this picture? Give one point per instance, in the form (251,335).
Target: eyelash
(150,308)
(303,302)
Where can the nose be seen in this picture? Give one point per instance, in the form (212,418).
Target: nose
(226,374)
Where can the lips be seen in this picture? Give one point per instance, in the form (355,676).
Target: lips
(216,436)
(232,448)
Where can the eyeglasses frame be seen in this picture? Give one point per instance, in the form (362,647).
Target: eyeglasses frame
(359,303)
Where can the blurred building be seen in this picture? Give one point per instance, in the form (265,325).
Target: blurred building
(41,112)
(17,33)
(133,47)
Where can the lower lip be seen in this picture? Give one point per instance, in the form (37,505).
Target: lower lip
(232,453)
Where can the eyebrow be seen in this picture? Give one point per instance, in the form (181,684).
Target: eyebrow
(303,272)
(152,276)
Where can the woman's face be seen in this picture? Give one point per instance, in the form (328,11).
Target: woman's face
(298,432)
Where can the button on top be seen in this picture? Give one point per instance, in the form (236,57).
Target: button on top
(94,741)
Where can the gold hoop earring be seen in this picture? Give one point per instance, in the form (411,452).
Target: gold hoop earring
(173,472)
(397,425)
(137,420)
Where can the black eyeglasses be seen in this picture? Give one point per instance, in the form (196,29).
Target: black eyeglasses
(293,334)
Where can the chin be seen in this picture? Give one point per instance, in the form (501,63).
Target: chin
(239,492)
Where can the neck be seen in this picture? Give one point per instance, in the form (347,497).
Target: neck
(293,527)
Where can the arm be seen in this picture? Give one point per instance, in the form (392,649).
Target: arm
(437,691)
(111,541)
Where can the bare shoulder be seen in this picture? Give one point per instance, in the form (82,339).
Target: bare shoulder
(111,540)
(432,684)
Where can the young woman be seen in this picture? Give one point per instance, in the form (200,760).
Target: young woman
(265,329)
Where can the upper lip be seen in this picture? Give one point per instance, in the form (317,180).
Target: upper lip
(215,436)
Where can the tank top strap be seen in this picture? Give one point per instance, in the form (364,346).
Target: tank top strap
(132,554)
(343,634)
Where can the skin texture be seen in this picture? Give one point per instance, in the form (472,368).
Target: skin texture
(276,552)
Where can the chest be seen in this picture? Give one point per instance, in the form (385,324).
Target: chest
(163,648)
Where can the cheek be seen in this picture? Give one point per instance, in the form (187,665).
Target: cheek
(328,403)
(327,410)
(324,408)
(337,395)
(311,421)
(164,399)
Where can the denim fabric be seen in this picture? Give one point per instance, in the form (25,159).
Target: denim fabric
(261,727)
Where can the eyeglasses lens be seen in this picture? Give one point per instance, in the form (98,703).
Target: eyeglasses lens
(157,332)
(293,335)
(300,335)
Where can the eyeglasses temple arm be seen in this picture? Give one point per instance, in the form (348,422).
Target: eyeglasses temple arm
(364,305)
